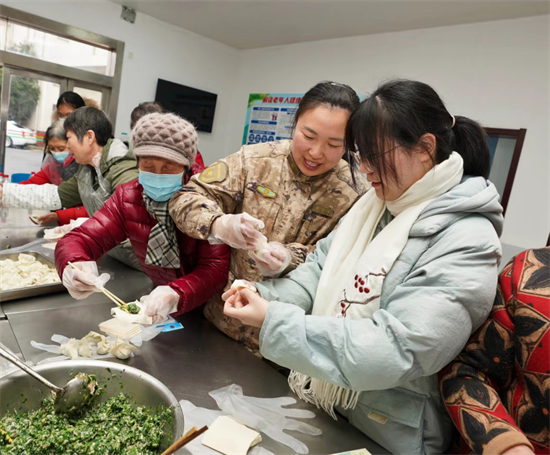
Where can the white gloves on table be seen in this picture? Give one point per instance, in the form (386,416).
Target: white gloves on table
(238,231)
(266,415)
(272,258)
(84,280)
(160,303)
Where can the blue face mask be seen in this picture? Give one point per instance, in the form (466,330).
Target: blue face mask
(160,187)
(60,157)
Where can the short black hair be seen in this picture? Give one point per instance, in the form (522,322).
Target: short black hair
(399,113)
(327,93)
(148,107)
(71,99)
(89,118)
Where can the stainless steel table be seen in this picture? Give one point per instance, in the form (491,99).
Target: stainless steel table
(7,337)
(192,362)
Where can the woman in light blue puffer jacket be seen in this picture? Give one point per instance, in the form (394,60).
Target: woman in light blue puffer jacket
(391,296)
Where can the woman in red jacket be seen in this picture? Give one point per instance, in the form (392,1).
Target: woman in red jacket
(186,271)
(57,167)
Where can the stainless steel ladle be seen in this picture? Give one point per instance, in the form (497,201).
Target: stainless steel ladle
(70,398)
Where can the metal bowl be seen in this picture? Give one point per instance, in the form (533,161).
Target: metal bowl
(21,393)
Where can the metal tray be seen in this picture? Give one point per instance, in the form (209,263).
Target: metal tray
(30,291)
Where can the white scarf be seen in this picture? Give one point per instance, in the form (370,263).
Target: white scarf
(356,266)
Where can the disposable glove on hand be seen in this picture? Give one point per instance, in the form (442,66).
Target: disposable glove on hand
(160,303)
(238,231)
(84,280)
(271,258)
(266,415)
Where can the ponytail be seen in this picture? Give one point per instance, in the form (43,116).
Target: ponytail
(470,141)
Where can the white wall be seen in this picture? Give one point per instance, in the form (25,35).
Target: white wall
(495,72)
(155,49)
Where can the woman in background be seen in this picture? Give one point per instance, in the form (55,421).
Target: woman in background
(58,166)
(69,102)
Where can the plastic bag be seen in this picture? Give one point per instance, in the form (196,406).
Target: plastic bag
(58,173)
(266,415)
(92,199)
(199,417)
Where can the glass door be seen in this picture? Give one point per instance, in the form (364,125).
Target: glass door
(28,102)
(93,95)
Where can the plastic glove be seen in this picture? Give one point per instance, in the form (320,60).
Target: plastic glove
(266,415)
(199,417)
(272,258)
(160,303)
(84,280)
(238,231)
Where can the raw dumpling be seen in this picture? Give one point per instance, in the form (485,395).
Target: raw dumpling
(122,349)
(103,347)
(26,258)
(71,348)
(241,284)
(85,349)
(93,337)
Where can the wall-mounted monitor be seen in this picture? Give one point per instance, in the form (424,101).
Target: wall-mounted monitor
(196,106)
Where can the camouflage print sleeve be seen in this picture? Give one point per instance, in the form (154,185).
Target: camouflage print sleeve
(215,191)
(299,253)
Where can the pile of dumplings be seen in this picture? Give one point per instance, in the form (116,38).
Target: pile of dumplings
(75,348)
(25,272)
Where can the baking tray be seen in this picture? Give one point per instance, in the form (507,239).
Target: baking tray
(30,291)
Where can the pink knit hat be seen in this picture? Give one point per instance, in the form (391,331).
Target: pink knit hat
(165,136)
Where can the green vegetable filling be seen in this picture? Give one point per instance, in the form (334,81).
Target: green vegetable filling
(132,308)
(113,427)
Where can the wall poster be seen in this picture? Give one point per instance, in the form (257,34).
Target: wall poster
(269,117)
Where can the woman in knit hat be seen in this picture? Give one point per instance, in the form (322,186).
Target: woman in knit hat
(186,271)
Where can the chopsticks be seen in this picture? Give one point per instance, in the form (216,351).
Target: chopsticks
(185,439)
(119,302)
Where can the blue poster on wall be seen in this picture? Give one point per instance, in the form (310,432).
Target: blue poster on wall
(269,117)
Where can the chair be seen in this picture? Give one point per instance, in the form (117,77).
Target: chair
(20,177)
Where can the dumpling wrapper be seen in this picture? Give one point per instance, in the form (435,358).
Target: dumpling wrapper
(70,349)
(140,318)
(120,328)
(229,437)
(122,349)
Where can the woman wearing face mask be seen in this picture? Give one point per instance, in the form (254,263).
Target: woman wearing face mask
(69,102)
(272,202)
(186,271)
(58,166)
(392,295)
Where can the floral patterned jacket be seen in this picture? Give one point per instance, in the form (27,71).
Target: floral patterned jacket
(497,389)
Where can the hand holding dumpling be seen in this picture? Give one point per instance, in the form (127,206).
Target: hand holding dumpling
(248,307)
(238,231)
(272,258)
